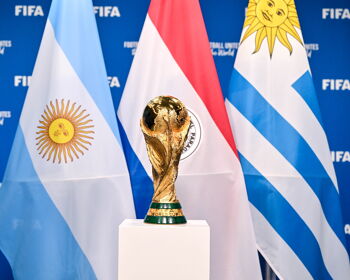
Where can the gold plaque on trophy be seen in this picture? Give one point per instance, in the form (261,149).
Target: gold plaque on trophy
(165,124)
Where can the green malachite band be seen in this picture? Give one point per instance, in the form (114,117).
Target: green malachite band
(165,220)
(156,205)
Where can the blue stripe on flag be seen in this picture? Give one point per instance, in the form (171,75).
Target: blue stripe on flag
(34,236)
(76,32)
(305,87)
(142,185)
(283,218)
(290,144)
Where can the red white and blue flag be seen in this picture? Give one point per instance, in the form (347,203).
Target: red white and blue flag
(173,58)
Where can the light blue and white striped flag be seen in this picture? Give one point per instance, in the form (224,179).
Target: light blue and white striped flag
(66,186)
(283,148)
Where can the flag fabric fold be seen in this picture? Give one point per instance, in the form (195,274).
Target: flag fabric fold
(173,57)
(275,118)
(66,187)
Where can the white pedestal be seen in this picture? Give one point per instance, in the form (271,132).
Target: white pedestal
(159,252)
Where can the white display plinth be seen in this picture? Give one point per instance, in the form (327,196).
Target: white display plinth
(159,252)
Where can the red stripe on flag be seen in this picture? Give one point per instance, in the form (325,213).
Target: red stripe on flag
(181,26)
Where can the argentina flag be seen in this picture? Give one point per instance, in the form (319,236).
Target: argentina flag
(66,187)
(283,148)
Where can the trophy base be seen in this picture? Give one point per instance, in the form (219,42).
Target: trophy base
(165,213)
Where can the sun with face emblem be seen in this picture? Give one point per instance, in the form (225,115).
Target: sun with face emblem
(271,19)
(64,132)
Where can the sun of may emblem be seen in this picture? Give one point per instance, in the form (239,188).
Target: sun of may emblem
(271,19)
(64,131)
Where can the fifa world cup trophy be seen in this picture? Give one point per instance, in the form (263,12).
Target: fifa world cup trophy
(165,124)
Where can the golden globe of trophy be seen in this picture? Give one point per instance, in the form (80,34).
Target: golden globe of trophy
(165,123)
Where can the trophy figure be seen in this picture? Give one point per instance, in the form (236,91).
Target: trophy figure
(165,123)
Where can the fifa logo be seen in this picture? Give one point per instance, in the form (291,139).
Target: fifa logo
(113,81)
(336,13)
(23,81)
(340,156)
(336,84)
(107,11)
(29,10)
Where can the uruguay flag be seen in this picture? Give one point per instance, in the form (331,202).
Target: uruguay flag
(283,148)
(173,57)
(66,186)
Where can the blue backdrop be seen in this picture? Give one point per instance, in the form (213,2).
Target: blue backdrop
(325,25)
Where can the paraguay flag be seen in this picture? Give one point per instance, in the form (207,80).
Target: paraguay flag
(283,148)
(66,186)
(173,58)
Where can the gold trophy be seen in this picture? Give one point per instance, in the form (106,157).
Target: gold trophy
(165,123)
